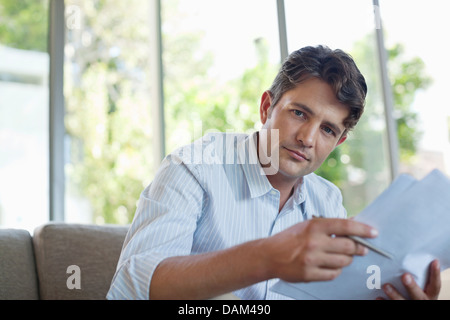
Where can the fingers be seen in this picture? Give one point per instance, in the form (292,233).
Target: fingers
(346,246)
(340,247)
(346,227)
(321,274)
(415,292)
(433,286)
(337,253)
(316,249)
(392,293)
(329,265)
(323,267)
(336,231)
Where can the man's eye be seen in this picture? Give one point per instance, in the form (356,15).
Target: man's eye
(298,113)
(328,130)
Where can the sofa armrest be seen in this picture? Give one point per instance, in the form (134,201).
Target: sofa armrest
(93,250)
(18,280)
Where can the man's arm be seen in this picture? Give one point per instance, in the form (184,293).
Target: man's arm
(208,275)
(309,251)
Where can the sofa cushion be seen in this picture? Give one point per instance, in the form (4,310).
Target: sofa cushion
(76,261)
(18,280)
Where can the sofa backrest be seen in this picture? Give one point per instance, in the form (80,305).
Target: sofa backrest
(76,261)
(18,280)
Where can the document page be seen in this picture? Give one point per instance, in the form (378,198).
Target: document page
(413,220)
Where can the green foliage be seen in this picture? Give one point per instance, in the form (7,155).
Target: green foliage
(407,77)
(107,113)
(111,148)
(195,102)
(24,24)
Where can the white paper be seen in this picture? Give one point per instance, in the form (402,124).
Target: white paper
(413,220)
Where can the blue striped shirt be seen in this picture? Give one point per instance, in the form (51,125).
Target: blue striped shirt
(209,196)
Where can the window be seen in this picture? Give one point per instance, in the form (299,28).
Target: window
(108,114)
(219,57)
(210,52)
(24,70)
(414,33)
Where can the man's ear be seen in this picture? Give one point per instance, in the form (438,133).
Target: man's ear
(342,139)
(264,107)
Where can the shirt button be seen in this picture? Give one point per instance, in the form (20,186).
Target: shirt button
(273,192)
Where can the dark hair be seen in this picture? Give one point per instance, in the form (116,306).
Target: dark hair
(335,67)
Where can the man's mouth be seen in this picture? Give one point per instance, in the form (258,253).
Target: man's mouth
(297,155)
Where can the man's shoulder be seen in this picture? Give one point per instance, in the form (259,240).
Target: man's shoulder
(212,148)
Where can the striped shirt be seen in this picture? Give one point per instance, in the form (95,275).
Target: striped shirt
(209,196)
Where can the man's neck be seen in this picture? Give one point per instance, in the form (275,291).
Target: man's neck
(284,186)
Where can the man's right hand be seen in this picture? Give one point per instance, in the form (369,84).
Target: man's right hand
(315,250)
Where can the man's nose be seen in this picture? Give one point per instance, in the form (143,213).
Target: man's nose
(307,134)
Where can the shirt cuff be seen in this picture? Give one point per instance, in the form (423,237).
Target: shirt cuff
(132,279)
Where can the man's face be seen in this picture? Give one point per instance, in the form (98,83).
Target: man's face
(310,121)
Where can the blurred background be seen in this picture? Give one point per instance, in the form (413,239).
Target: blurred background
(94,93)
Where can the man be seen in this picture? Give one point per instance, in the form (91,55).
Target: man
(215,221)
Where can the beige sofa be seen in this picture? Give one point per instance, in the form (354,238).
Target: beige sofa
(39,266)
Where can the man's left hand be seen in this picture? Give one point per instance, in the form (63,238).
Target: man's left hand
(431,291)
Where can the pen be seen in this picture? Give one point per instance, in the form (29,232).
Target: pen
(367,244)
(371,246)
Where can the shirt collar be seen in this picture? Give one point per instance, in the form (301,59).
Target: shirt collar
(248,158)
(299,194)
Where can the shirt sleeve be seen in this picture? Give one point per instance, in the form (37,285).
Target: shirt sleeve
(163,226)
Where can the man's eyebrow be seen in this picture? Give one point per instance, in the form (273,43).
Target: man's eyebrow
(332,125)
(304,107)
